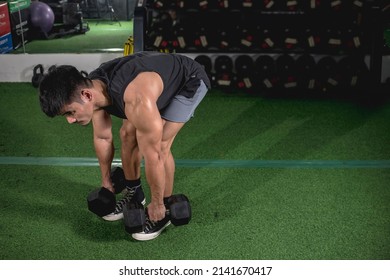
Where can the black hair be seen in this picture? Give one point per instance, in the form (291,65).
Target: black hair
(59,88)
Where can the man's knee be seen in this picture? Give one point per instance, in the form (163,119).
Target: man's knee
(166,148)
(123,133)
(127,137)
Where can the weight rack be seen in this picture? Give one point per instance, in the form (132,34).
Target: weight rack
(235,28)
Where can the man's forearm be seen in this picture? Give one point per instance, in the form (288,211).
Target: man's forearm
(105,154)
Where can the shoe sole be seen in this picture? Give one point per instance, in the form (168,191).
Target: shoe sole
(115,217)
(149,236)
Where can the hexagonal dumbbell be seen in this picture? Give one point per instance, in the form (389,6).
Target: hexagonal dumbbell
(178,210)
(102,201)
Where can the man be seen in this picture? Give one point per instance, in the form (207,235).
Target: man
(155,94)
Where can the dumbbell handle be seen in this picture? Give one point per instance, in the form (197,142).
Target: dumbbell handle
(177,215)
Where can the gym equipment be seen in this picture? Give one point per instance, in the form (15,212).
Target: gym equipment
(201,39)
(333,40)
(290,6)
(223,4)
(223,67)
(290,39)
(223,64)
(354,72)
(178,210)
(206,62)
(267,39)
(159,37)
(265,71)
(246,35)
(68,19)
(202,5)
(118,179)
(327,71)
(336,6)
(129,46)
(84,73)
(352,38)
(225,39)
(38,74)
(312,6)
(306,68)
(286,71)
(311,39)
(102,201)
(178,40)
(42,16)
(110,10)
(244,66)
(316,27)
(269,5)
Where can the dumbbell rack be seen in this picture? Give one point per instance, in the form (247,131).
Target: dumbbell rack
(354,29)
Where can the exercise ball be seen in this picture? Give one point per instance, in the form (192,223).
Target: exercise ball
(42,16)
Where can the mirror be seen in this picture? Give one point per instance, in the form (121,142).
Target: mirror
(71,26)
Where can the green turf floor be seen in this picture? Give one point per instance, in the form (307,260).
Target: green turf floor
(247,212)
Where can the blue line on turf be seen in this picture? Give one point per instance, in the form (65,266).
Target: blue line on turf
(81,161)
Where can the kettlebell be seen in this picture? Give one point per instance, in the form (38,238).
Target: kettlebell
(37,75)
(84,73)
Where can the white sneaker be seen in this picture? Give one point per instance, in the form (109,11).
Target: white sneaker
(131,194)
(152,230)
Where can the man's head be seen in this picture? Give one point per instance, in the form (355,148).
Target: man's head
(61,86)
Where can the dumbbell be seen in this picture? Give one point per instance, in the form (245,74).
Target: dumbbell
(327,73)
(265,71)
(244,66)
(353,71)
(223,67)
(306,69)
(206,63)
(102,201)
(178,210)
(286,71)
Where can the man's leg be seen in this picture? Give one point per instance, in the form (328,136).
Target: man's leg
(169,133)
(177,113)
(131,156)
(152,230)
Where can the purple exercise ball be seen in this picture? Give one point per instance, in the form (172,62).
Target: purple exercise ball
(42,16)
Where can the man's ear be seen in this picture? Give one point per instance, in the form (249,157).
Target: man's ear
(86,95)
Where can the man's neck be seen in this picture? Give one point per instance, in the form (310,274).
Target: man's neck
(102,99)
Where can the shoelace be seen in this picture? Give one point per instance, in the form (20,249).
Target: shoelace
(129,195)
(148,225)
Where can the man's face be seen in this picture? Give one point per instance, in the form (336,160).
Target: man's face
(79,112)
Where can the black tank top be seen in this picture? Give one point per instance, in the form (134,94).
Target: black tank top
(180,74)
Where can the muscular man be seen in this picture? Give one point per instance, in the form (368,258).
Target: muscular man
(155,94)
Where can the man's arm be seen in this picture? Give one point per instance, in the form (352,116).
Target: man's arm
(104,145)
(141,110)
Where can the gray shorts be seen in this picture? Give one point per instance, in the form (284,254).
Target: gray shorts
(181,108)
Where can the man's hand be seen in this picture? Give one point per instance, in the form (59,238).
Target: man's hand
(109,187)
(156,212)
